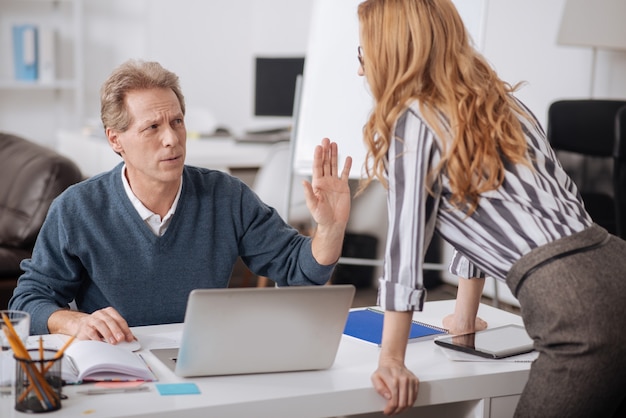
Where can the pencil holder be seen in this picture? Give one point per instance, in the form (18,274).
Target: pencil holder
(38,381)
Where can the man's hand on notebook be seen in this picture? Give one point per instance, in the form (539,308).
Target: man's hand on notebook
(103,325)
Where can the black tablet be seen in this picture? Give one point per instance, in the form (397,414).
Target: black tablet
(495,343)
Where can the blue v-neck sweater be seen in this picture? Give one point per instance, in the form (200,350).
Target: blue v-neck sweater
(95,249)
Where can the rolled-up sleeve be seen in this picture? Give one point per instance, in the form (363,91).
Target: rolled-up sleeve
(462,267)
(411,212)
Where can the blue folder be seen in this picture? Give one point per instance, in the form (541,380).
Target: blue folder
(367,325)
(25,52)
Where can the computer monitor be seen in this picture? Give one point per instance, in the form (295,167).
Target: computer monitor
(275,83)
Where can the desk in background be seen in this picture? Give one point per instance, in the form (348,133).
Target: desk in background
(453,389)
(93,154)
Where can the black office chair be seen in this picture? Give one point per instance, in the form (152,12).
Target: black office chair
(619,171)
(583,133)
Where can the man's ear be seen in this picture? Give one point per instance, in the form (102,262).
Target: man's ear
(113,137)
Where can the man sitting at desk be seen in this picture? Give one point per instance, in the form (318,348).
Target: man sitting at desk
(130,244)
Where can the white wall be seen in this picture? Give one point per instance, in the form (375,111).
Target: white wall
(211,45)
(520,43)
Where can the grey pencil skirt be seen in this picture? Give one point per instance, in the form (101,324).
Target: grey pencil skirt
(572,294)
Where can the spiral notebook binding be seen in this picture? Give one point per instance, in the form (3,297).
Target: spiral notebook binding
(424,324)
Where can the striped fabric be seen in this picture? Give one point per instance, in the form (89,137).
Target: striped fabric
(533,207)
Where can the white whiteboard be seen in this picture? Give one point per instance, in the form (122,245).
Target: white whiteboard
(334,101)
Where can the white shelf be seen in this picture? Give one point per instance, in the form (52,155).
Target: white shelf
(65,18)
(38,85)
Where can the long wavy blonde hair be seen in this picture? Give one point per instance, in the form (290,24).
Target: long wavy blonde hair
(420,50)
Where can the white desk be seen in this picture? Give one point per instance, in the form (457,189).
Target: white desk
(452,389)
(93,154)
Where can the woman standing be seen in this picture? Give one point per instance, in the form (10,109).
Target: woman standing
(459,154)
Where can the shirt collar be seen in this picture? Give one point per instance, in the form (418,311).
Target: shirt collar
(143,211)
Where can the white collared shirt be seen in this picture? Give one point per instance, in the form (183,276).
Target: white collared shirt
(157,225)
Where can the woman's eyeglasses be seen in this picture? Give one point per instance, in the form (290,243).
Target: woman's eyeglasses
(360,56)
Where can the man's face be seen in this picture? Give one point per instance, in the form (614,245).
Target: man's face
(153,146)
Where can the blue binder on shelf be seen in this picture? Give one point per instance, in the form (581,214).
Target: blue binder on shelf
(25,52)
(367,325)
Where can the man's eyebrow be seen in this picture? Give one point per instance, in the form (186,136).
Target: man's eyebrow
(158,119)
(151,121)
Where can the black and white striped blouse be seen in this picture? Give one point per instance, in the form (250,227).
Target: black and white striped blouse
(531,208)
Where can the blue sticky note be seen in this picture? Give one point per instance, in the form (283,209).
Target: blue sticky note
(177,389)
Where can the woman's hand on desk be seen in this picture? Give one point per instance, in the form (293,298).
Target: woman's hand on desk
(465,317)
(392,380)
(456,325)
(102,325)
(397,384)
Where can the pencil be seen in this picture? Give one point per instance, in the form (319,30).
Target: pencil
(57,355)
(41,353)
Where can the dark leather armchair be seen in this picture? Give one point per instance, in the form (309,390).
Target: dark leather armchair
(586,129)
(31,176)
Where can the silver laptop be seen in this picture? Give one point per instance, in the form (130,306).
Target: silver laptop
(260,330)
